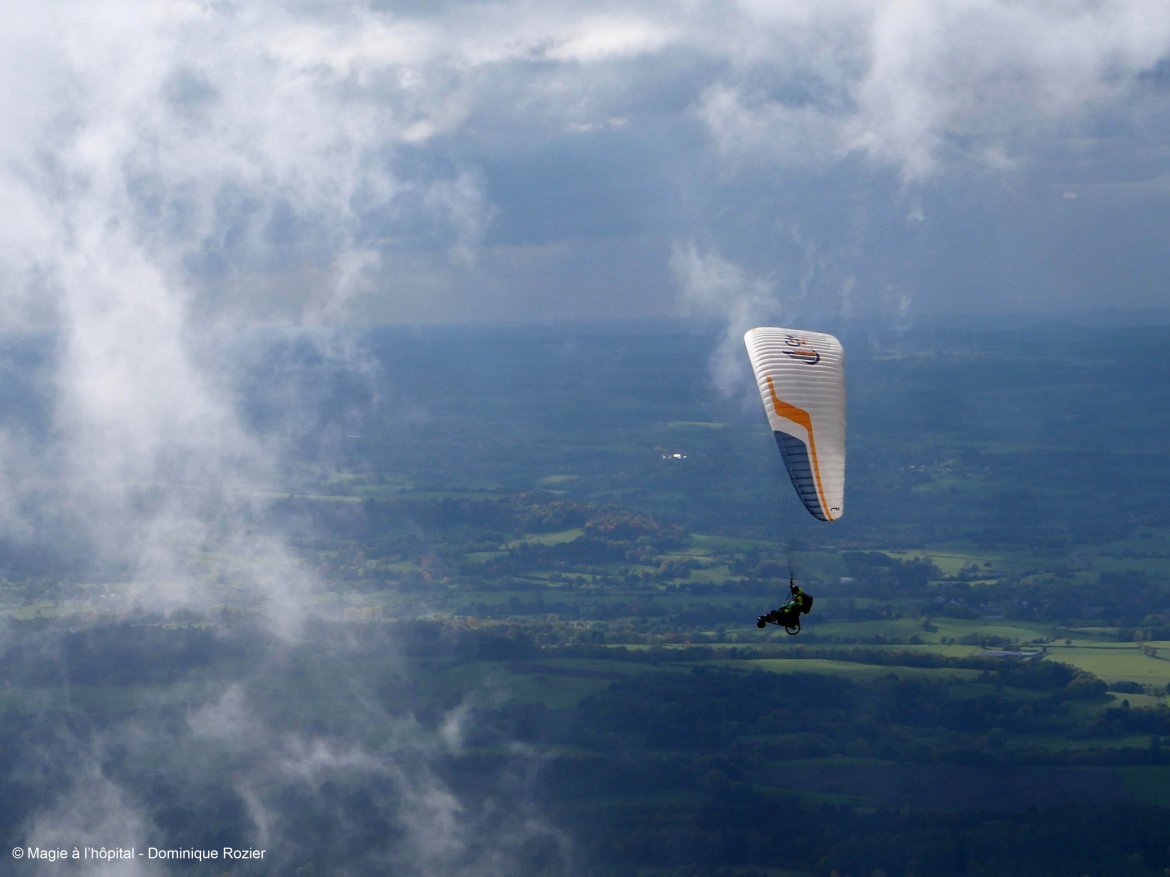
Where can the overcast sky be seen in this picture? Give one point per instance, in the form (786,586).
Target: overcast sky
(453,161)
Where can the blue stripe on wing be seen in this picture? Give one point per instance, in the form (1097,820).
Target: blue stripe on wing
(796,461)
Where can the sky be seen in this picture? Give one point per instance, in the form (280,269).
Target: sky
(345,162)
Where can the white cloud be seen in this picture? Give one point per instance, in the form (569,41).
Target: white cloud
(713,286)
(796,136)
(920,84)
(602,38)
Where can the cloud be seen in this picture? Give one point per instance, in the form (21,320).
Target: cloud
(602,38)
(166,168)
(746,126)
(257,154)
(97,814)
(227,773)
(712,286)
(924,86)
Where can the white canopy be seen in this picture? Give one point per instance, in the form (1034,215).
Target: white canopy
(801,376)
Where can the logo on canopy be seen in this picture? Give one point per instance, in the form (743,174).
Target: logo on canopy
(810,357)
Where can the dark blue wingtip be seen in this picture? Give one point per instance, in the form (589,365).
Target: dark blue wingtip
(796,461)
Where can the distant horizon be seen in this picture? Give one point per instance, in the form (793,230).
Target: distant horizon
(1112,317)
(983,320)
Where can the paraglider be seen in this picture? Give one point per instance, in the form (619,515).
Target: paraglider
(801,378)
(788,615)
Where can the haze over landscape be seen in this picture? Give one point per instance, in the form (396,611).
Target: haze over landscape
(384,484)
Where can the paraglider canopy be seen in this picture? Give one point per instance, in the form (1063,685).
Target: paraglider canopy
(801,376)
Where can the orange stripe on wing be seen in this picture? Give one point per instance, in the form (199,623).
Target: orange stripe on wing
(799,415)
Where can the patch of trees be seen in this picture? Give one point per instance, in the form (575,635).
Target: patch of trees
(710,710)
(41,652)
(876,574)
(46,652)
(699,711)
(690,616)
(1120,721)
(1033,674)
(748,828)
(615,524)
(417,639)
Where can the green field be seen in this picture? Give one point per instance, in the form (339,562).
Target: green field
(849,670)
(1115,662)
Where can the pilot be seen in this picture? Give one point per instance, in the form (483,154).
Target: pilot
(791,610)
(797,600)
